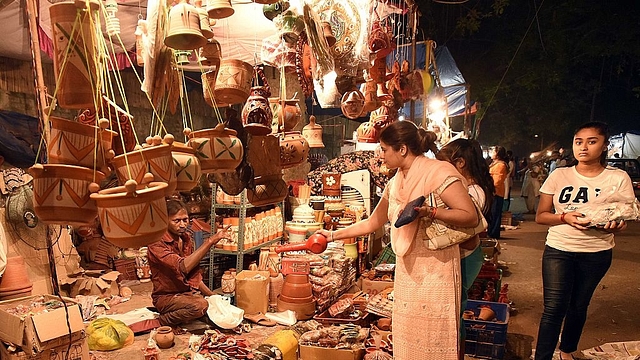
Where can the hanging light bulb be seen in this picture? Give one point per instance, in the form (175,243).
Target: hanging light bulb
(112,22)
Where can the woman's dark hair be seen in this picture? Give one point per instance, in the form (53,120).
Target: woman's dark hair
(417,140)
(173,206)
(475,165)
(501,153)
(602,129)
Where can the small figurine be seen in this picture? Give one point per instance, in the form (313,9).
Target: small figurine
(504,294)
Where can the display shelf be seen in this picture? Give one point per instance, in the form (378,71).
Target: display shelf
(242,215)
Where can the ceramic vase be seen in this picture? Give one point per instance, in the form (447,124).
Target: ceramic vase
(164,337)
(286,114)
(61,194)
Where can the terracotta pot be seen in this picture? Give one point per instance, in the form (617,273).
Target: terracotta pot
(287,117)
(303,311)
(313,133)
(352,104)
(132,218)
(296,299)
(219,9)
(156,160)
(205,27)
(164,337)
(61,194)
(270,192)
(73,60)
(256,113)
(184,28)
(233,83)
(74,143)
(486,313)
(331,184)
(379,41)
(370,92)
(211,55)
(209,86)
(15,279)
(9,295)
(186,165)
(218,149)
(294,149)
(368,132)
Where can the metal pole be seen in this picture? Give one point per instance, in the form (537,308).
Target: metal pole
(414,35)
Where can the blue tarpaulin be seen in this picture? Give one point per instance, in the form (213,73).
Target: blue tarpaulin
(19,138)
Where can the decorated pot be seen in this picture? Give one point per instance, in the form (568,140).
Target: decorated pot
(187,166)
(331,184)
(352,104)
(278,53)
(74,58)
(218,149)
(211,54)
(233,83)
(270,192)
(274,9)
(289,26)
(287,117)
(156,160)
(219,9)
(184,28)
(61,194)
(294,149)
(370,92)
(74,143)
(313,133)
(368,132)
(256,113)
(135,216)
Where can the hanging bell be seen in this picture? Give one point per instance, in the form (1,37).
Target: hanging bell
(313,133)
(182,56)
(184,28)
(220,9)
(205,27)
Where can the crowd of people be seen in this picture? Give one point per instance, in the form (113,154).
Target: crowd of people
(431,286)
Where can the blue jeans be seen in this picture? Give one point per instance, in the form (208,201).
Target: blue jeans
(493,231)
(569,280)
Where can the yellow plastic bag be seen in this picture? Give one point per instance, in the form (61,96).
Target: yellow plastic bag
(106,334)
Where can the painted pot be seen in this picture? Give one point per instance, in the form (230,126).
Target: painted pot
(368,132)
(74,53)
(211,54)
(132,218)
(184,28)
(286,114)
(61,194)
(352,104)
(187,166)
(218,149)
(74,143)
(256,113)
(270,192)
(294,149)
(156,160)
(331,184)
(233,83)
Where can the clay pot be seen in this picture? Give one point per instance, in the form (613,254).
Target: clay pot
(294,149)
(384,324)
(304,311)
(135,216)
(219,9)
(379,41)
(61,194)
(164,337)
(352,104)
(331,184)
(154,159)
(73,60)
(256,113)
(269,192)
(186,165)
(218,149)
(205,27)
(15,281)
(211,55)
(184,28)
(286,114)
(233,83)
(370,92)
(313,133)
(209,85)
(486,313)
(74,143)
(368,132)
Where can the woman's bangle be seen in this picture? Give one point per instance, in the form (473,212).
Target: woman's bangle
(562,218)
(432,213)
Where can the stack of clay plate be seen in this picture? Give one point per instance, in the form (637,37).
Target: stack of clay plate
(351,196)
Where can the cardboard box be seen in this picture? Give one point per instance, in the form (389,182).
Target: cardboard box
(252,291)
(43,331)
(373,287)
(79,350)
(94,282)
(319,353)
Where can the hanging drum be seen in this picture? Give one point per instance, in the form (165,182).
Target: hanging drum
(187,166)
(233,83)
(219,9)
(61,194)
(184,28)
(73,35)
(74,143)
(156,160)
(133,216)
(218,149)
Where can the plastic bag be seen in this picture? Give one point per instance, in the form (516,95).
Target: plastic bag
(611,205)
(106,334)
(222,313)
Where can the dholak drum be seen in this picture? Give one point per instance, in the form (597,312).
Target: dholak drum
(233,83)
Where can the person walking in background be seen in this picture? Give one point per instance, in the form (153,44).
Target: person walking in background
(499,172)
(508,183)
(576,255)
(466,156)
(533,177)
(427,282)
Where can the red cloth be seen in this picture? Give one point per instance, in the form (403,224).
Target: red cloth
(165,258)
